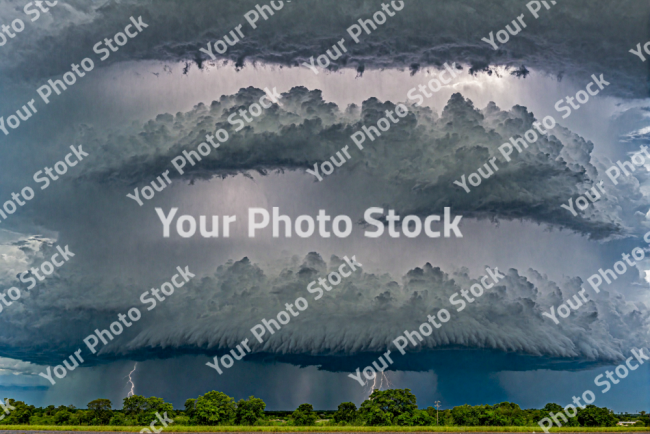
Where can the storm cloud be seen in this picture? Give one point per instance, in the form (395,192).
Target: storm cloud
(415,163)
(213,313)
(567,40)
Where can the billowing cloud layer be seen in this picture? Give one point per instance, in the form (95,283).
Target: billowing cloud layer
(567,40)
(414,164)
(362,315)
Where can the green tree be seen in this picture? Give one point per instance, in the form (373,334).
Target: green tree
(134,405)
(422,418)
(549,408)
(214,408)
(508,414)
(75,418)
(374,416)
(383,407)
(20,414)
(416,418)
(101,410)
(118,419)
(62,417)
(595,416)
(446,418)
(143,410)
(346,413)
(249,411)
(155,405)
(81,417)
(304,415)
(190,406)
(466,415)
(552,407)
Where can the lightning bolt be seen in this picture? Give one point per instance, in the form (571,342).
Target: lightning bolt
(381,378)
(385,378)
(132,391)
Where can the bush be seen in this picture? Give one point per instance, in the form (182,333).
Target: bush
(346,413)
(249,411)
(384,407)
(422,418)
(595,416)
(466,415)
(181,420)
(118,419)
(142,411)
(376,417)
(214,408)
(101,411)
(190,407)
(21,415)
(80,417)
(304,416)
(62,417)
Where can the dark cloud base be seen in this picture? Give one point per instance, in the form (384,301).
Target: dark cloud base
(573,39)
(213,314)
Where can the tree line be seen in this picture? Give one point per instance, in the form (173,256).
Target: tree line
(382,408)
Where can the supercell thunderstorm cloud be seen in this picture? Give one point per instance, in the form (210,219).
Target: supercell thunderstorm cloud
(265,198)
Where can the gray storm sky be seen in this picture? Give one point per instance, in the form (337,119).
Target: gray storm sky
(121,251)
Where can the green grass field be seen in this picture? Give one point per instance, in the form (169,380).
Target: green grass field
(320,429)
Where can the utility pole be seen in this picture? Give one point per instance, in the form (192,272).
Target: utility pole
(437,409)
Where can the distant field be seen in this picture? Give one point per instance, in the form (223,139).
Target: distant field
(312,429)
